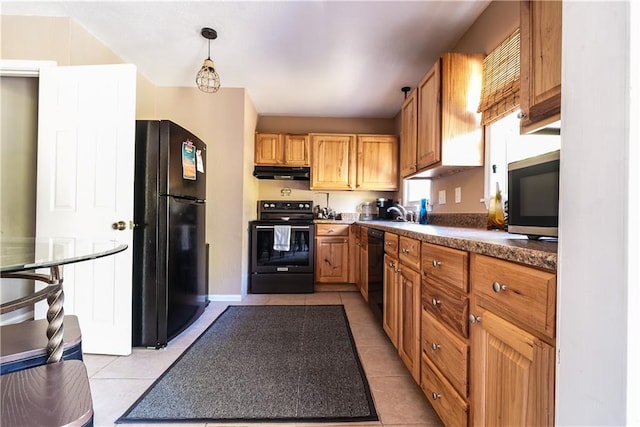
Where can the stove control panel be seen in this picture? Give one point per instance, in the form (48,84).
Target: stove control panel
(277,206)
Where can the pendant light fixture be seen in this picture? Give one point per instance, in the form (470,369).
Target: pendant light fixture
(207,78)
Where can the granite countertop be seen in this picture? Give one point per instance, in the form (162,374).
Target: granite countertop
(499,244)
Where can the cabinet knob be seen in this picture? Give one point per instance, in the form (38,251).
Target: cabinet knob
(498,287)
(474,319)
(435,396)
(435,302)
(436,263)
(398,270)
(435,346)
(522,115)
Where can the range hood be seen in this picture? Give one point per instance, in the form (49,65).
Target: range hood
(282,172)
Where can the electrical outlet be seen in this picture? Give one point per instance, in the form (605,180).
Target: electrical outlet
(442,197)
(458,195)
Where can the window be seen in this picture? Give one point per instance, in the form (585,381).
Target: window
(504,145)
(414,190)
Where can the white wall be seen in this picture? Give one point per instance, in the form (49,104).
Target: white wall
(593,287)
(633,194)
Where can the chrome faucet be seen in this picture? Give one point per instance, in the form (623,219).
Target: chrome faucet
(402,212)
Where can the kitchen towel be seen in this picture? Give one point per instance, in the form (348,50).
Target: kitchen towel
(281,237)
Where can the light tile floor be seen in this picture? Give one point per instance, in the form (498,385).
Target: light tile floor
(117,381)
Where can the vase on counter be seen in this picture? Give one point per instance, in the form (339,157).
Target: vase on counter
(423,212)
(495,219)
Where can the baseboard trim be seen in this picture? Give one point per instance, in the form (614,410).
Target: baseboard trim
(222,298)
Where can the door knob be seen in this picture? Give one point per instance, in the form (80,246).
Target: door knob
(120,225)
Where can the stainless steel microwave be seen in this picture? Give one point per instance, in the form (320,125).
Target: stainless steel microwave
(534,185)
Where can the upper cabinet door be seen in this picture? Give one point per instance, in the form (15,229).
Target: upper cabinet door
(540,63)
(268,149)
(409,135)
(429,118)
(296,150)
(333,161)
(377,164)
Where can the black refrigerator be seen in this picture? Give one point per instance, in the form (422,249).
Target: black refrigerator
(169,249)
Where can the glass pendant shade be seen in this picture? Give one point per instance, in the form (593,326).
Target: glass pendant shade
(207,79)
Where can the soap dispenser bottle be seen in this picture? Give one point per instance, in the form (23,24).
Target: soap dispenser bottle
(423,212)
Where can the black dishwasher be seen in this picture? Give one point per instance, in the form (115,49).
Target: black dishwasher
(375,270)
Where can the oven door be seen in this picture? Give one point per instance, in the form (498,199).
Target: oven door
(266,259)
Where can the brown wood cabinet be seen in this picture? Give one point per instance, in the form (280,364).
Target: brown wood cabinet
(512,343)
(540,63)
(450,407)
(354,162)
(363,263)
(448,132)
(409,319)
(409,252)
(401,294)
(409,135)
(333,165)
(377,163)
(332,253)
(276,149)
(445,344)
(390,312)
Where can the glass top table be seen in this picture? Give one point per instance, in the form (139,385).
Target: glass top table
(20,257)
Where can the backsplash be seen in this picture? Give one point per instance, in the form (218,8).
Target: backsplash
(468,220)
(339,201)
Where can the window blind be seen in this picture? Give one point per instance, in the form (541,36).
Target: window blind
(501,80)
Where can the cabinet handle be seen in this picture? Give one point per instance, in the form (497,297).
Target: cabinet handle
(435,396)
(435,346)
(398,270)
(436,263)
(345,240)
(435,302)
(331,230)
(474,319)
(498,287)
(522,115)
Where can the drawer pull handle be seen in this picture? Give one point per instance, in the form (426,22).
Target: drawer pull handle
(435,346)
(436,263)
(435,302)
(474,319)
(498,287)
(435,396)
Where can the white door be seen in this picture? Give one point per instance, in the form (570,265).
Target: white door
(86,138)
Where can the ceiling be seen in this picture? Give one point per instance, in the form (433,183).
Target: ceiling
(295,58)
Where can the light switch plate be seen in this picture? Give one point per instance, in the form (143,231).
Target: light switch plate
(458,195)
(442,197)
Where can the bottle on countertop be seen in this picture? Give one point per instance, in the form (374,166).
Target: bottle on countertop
(423,212)
(495,219)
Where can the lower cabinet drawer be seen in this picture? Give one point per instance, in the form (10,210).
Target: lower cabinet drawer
(525,294)
(447,351)
(451,408)
(448,306)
